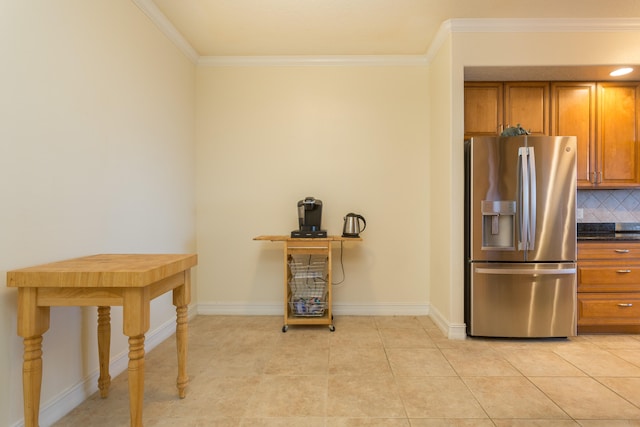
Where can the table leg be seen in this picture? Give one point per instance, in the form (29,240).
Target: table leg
(181,299)
(104,345)
(136,308)
(33,322)
(181,342)
(136,379)
(32,379)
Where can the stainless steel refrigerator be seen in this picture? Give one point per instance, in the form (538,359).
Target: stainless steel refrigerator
(520,236)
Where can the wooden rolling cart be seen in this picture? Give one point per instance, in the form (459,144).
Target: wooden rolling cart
(307,279)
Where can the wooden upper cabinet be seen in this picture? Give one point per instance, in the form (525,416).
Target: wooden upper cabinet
(483,109)
(527,105)
(573,113)
(618,151)
(490,107)
(605,118)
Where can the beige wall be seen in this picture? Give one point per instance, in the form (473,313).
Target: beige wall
(445,269)
(355,137)
(96,156)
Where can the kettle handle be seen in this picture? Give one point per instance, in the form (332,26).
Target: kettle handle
(364,222)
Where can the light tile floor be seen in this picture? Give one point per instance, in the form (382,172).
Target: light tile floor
(378,371)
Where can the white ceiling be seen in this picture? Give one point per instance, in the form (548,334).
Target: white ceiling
(303,27)
(349,27)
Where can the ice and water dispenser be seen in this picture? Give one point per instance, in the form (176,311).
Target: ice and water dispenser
(498,224)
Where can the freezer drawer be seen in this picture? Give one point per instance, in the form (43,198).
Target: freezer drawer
(522,300)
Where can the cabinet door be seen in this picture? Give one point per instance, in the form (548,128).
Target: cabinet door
(527,105)
(573,113)
(618,152)
(482,109)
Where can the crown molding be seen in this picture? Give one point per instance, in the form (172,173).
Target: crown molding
(528,25)
(310,60)
(160,20)
(438,40)
(543,25)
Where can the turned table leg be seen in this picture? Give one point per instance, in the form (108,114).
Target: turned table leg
(181,299)
(104,345)
(181,343)
(136,308)
(136,379)
(33,322)
(32,379)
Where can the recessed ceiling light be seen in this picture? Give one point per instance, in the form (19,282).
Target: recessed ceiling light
(620,72)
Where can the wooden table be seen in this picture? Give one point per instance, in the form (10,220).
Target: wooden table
(130,281)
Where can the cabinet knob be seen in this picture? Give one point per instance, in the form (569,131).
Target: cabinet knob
(623,271)
(625,305)
(622,251)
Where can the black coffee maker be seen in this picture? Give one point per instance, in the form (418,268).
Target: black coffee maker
(309,219)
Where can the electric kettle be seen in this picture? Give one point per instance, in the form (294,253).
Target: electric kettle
(352,225)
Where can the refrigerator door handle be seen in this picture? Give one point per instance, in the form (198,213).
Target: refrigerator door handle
(523,198)
(531,240)
(512,271)
(527,191)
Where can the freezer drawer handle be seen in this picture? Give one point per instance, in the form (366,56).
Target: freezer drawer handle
(623,271)
(625,305)
(622,251)
(525,271)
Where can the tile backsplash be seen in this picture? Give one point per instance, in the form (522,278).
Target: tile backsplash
(609,205)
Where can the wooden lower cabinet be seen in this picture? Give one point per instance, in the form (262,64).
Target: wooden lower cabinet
(609,287)
(609,313)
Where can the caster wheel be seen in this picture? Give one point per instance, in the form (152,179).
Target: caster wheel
(332,328)
(285,328)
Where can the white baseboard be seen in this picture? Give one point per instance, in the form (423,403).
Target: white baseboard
(240,309)
(382,309)
(61,404)
(453,331)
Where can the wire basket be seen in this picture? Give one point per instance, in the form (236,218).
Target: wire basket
(308,285)
(308,307)
(308,266)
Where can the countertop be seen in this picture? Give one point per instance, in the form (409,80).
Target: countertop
(608,231)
